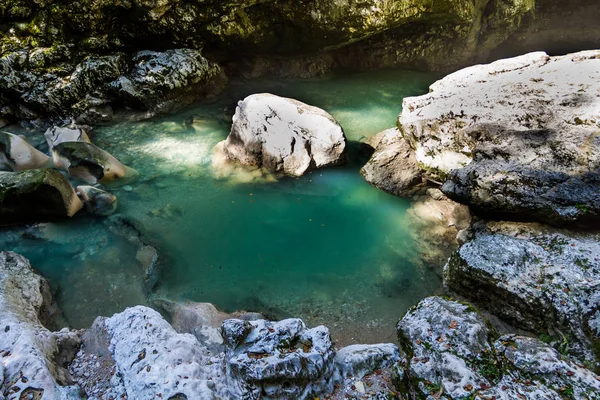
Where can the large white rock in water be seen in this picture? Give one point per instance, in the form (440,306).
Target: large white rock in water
(284,136)
(517,136)
(18,155)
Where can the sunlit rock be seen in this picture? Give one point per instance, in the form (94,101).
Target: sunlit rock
(18,155)
(538,279)
(148,358)
(89,163)
(203,320)
(393,166)
(29,353)
(278,359)
(34,195)
(97,201)
(361,359)
(283,136)
(451,350)
(56,135)
(517,137)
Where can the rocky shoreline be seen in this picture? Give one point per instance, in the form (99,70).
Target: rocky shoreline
(505,157)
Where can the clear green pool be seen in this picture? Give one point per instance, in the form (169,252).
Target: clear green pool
(327,247)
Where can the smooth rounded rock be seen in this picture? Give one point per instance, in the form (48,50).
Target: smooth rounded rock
(18,155)
(97,201)
(284,136)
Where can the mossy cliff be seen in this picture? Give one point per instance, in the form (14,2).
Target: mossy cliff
(51,39)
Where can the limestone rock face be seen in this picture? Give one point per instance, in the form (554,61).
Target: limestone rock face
(34,195)
(18,155)
(393,167)
(359,360)
(168,81)
(278,359)
(52,81)
(203,320)
(438,226)
(89,163)
(515,137)
(28,351)
(451,353)
(148,358)
(284,136)
(546,282)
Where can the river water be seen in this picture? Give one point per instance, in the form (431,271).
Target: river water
(326,247)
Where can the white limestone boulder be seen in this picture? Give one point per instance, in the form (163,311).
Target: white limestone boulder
(284,136)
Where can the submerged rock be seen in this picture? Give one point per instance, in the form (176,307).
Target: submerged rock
(97,201)
(393,167)
(34,195)
(18,155)
(149,359)
(438,226)
(451,353)
(89,163)
(283,136)
(56,135)
(545,282)
(516,137)
(30,353)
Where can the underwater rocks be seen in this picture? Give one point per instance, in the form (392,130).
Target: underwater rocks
(283,136)
(452,353)
(515,138)
(97,201)
(18,155)
(46,83)
(438,226)
(30,355)
(544,282)
(89,163)
(393,167)
(36,195)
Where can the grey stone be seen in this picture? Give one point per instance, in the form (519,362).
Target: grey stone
(543,281)
(515,138)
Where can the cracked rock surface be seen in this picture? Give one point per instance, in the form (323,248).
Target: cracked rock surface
(283,136)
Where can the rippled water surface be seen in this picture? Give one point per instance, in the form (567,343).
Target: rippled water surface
(327,247)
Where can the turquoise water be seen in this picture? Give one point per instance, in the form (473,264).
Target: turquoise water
(327,247)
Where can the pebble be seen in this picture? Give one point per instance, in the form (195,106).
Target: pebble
(127,188)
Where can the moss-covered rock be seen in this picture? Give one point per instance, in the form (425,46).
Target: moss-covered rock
(89,163)
(286,37)
(543,281)
(453,353)
(36,195)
